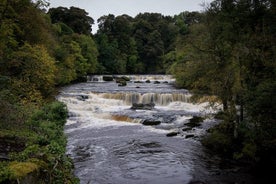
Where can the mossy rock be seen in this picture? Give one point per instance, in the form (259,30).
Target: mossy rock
(107,78)
(125,78)
(122,83)
(195,121)
(22,169)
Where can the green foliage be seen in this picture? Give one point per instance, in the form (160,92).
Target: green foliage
(135,45)
(21,169)
(45,151)
(230,53)
(77,19)
(219,142)
(5,172)
(77,56)
(33,65)
(89,51)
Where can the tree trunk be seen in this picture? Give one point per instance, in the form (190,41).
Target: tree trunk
(225,105)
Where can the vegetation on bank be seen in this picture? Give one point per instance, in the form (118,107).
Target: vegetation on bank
(40,143)
(230,53)
(227,51)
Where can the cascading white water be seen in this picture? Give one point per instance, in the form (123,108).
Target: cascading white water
(142,78)
(157,98)
(109,144)
(95,78)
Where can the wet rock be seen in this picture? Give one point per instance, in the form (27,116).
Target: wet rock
(94,79)
(172,134)
(186,129)
(189,136)
(195,121)
(125,78)
(122,83)
(156,82)
(147,81)
(141,106)
(107,78)
(82,97)
(151,122)
(72,114)
(138,82)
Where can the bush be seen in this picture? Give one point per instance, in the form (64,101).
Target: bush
(44,151)
(218,142)
(5,172)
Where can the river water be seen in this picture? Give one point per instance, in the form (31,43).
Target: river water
(109,144)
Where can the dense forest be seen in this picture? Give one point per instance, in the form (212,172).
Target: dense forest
(227,51)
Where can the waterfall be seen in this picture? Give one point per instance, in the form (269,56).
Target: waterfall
(142,78)
(157,98)
(95,78)
(151,77)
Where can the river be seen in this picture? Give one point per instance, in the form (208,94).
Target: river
(110,145)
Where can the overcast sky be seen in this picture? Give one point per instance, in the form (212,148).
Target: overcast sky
(98,8)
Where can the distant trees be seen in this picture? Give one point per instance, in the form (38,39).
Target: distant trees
(227,51)
(135,45)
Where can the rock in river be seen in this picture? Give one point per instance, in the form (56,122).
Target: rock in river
(141,106)
(151,122)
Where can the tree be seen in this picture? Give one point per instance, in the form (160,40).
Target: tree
(34,66)
(89,51)
(232,57)
(135,44)
(77,19)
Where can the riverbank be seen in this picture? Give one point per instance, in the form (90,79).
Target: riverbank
(34,151)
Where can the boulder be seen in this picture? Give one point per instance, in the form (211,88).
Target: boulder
(138,82)
(172,134)
(107,78)
(151,122)
(186,129)
(189,136)
(195,121)
(125,78)
(82,97)
(122,83)
(141,106)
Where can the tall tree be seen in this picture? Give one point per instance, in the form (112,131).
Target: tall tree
(235,60)
(77,19)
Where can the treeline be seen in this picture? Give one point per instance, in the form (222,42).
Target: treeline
(143,44)
(230,53)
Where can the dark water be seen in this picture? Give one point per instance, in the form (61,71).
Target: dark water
(108,143)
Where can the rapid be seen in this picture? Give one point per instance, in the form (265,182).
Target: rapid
(109,143)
